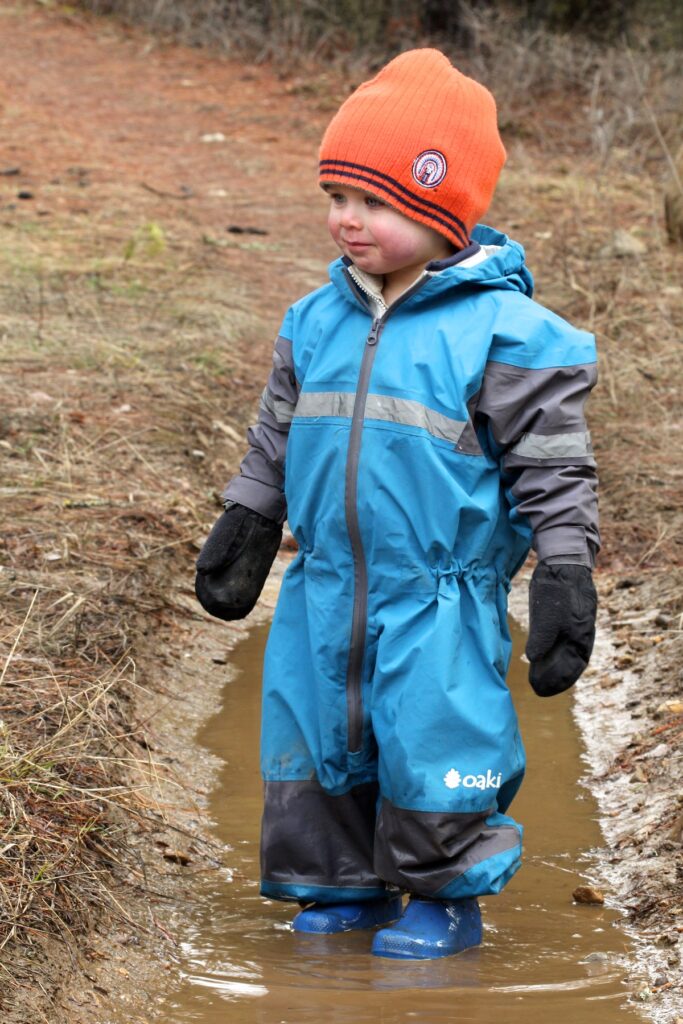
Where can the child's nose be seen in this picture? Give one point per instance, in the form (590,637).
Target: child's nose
(350,216)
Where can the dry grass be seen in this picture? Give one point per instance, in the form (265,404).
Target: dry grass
(522,64)
(575,96)
(102,503)
(64,755)
(634,305)
(591,133)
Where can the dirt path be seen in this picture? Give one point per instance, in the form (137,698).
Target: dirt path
(136,334)
(98,119)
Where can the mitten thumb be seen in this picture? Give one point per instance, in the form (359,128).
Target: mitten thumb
(543,635)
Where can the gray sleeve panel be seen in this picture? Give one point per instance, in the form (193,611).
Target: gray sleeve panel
(562,505)
(520,401)
(260,483)
(283,387)
(536,420)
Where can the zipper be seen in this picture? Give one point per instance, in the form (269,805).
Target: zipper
(359,620)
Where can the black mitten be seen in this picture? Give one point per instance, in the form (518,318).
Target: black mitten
(562,608)
(235,561)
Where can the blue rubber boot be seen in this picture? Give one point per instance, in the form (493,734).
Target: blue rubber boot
(429,929)
(327,918)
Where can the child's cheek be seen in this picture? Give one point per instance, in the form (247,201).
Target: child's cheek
(398,247)
(333,225)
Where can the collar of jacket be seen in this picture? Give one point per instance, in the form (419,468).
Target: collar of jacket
(502,268)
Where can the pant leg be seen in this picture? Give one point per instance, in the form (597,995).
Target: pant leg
(450,755)
(320,804)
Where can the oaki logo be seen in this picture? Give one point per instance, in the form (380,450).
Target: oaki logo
(453,779)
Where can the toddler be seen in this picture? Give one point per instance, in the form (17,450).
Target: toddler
(422,427)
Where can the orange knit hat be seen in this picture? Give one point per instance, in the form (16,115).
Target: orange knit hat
(422,136)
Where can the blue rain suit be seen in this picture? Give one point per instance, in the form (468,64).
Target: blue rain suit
(417,454)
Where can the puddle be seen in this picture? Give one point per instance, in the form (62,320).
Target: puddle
(240,963)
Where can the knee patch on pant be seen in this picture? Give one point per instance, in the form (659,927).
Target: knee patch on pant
(317,846)
(446,854)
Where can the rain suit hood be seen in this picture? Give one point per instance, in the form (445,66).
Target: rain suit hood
(502,267)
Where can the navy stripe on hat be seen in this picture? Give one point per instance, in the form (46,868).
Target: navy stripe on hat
(347,169)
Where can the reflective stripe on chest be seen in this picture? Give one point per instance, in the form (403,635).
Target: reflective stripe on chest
(317,404)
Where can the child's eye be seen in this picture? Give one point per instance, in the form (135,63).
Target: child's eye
(337,198)
(373,202)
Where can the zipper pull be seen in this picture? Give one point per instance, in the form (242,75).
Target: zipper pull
(373,336)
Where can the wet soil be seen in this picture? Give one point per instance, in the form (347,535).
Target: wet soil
(220,949)
(629,714)
(543,953)
(628,706)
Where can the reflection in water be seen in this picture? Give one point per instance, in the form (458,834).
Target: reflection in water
(240,962)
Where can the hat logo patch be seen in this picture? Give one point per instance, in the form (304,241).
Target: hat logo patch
(429,168)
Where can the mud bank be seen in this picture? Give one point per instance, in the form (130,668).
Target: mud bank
(629,711)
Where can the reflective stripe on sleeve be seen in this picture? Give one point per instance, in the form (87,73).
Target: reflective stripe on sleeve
(554,446)
(280,410)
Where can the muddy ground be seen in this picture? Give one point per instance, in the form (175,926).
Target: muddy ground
(158,212)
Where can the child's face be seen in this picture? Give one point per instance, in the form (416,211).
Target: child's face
(379,239)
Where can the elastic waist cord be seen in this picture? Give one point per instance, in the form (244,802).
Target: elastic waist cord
(473,571)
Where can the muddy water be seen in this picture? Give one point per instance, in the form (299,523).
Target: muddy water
(542,955)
